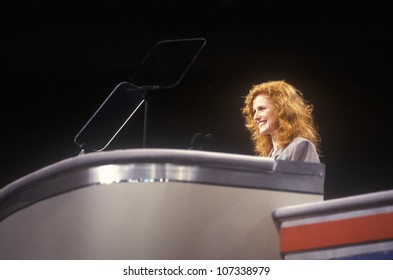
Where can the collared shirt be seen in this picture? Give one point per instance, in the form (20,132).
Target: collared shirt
(300,149)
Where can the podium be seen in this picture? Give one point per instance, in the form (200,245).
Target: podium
(153,204)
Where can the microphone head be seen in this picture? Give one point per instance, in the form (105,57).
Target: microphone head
(208,140)
(196,141)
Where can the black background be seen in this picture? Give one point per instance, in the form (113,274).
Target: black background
(60,61)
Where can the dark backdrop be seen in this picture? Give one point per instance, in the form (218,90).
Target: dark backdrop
(60,61)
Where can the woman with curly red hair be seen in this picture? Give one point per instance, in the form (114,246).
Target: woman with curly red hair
(281,123)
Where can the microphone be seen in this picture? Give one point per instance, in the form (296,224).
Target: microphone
(208,141)
(196,141)
(200,141)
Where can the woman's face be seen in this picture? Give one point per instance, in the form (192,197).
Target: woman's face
(265,115)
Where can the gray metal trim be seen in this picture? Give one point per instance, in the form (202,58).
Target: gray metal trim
(338,205)
(161,165)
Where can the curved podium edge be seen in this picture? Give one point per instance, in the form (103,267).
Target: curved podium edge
(160,165)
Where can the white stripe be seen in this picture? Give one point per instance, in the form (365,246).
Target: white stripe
(337,217)
(341,252)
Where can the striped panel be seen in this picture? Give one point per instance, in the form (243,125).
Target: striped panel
(337,233)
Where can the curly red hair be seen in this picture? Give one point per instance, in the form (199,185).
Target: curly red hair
(294,116)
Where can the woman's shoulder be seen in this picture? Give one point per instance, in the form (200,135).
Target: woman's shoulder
(300,140)
(301,149)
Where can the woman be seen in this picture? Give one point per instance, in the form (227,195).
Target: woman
(281,123)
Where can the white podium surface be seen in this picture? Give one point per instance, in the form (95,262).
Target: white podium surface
(153,204)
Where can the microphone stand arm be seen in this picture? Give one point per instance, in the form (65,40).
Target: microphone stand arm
(146,100)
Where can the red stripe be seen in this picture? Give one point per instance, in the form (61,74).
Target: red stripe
(335,233)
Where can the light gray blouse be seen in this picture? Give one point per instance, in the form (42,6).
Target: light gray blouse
(300,149)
